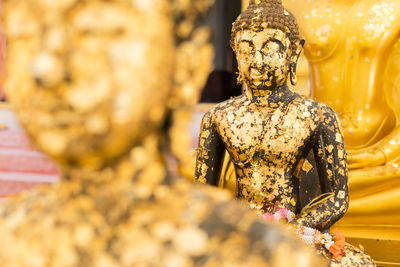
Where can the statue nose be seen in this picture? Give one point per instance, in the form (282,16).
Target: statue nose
(47,69)
(259,60)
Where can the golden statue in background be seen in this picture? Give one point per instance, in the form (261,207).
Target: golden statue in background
(354,52)
(91,80)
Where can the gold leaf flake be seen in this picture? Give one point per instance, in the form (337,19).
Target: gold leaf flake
(307,166)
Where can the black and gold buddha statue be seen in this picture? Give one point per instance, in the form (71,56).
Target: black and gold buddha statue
(269,130)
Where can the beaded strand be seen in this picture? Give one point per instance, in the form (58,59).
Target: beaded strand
(308,235)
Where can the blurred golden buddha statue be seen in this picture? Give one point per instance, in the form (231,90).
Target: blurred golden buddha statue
(269,131)
(90,81)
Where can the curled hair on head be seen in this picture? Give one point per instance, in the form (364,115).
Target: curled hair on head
(267,14)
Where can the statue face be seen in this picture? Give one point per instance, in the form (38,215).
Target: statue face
(89,83)
(263,57)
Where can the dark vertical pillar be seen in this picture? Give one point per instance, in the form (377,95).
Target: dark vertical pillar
(224,14)
(221,84)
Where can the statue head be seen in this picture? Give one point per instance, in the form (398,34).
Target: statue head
(89,80)
(265,38)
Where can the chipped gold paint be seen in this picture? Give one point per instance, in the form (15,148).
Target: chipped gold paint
(263,143)
(254,52)
(307,166)
(269,130)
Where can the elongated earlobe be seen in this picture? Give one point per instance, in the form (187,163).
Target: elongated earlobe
(293,77)
(293,66)
(240,79)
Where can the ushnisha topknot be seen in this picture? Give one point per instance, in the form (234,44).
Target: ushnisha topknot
(263,14)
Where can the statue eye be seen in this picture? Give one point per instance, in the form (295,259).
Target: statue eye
(270,47)
(245,48)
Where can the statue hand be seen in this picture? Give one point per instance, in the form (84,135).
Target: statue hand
(367,157)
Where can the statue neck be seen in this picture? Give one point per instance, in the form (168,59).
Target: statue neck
(266,97)
(136,174)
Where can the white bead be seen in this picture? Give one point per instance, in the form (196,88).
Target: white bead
(290,216)
(328,236)
(309,231)
(329,244)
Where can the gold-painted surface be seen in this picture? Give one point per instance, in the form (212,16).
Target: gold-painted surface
(91,81)
(303,83)
(49,81)
(269,130)
(187,160)
(354,52)
(384,250)
(357,36)
(106,218)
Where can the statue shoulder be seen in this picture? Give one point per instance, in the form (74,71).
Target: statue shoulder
(221,109)
(318,111)
(29,225)
(231,104)
(326,116)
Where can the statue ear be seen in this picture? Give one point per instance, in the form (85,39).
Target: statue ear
(294,59)
(299,49)
(235,41)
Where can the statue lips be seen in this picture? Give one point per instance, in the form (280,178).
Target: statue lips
(256,75)
(263,77)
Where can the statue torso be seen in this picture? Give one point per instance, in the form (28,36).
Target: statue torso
(347,45)
(266,144)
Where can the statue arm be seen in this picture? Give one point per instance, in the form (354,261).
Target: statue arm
(210,152)
(385,151)
(330,157)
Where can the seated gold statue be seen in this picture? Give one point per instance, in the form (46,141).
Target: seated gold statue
(269,130)
(89,81)
(354,50)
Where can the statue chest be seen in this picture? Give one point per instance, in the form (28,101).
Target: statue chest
(274,138)
(342,27)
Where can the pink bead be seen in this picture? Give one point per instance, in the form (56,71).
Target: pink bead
(283,212)
(268,216)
